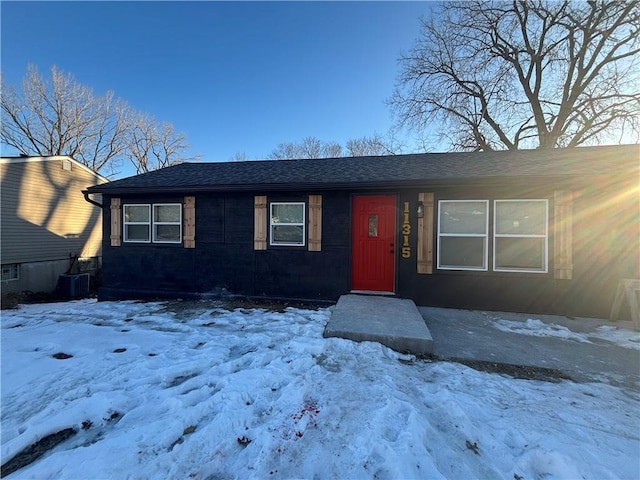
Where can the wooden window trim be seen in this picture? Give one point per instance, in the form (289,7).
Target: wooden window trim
(260,223)
(189,222)
(563,235)
(425,233)
(315,223)
(116,223)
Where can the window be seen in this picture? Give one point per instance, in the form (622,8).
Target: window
(137,223)
(462,234)
(167,223)
(520,235)
(165,226)
(10,271)
(287,223)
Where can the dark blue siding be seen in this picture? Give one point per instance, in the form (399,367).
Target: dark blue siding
(224,261)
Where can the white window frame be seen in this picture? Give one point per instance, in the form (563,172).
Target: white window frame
(155,223)
(545,236)
(302,224)
(125,223)
(14,273)
(485,253)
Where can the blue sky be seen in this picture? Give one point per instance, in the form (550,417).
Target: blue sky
(233,76)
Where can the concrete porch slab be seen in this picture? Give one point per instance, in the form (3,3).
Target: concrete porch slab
(393,322)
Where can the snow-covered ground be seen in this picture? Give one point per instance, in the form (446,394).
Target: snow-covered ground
(193,391)
(537,328)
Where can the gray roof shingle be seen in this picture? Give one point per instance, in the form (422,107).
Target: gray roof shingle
(398,170)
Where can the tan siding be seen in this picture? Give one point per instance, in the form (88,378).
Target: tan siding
(44,213)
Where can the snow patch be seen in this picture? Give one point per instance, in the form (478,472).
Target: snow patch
(619,336)
(208,393)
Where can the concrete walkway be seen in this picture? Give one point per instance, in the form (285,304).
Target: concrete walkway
(393,322)
(472,335)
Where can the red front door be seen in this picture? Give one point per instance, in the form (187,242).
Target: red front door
(373,245)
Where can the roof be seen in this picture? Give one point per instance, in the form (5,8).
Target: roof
(23,159)
(383,171)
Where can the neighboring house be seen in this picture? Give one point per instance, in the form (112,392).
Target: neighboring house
(531,230)
(46,223)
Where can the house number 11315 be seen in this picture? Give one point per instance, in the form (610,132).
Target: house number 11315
(406,231)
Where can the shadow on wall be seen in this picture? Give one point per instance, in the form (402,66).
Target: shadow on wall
(46,221)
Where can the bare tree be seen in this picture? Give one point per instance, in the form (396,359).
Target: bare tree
(521,74)
(63,117)
(331,150)
(60,116)
(373,145)
(311,147)
(285,151)
(151,146)
(239,157)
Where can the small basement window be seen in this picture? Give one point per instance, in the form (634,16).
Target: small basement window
(137,223)
(10,271)
(167,223)
(287,224)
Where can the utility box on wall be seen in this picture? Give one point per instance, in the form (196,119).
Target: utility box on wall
(74,286)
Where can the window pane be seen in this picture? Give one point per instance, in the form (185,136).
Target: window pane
(167,233)
(465,252)
(10,272)
(287,213)
(136,213)
(521,218)
(520,253)
(373,225)
(167,213)
(138,233)
(287,234)
(463,217)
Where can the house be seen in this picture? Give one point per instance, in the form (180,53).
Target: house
(531,230)
(48,228)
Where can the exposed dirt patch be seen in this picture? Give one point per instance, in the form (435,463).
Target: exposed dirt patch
(187,431)
(61,356)
(524,372)
(35,451)
(180,380)
(183,308)
(12,300)
(516,371)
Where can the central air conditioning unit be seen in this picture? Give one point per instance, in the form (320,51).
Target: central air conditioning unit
(74,286)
